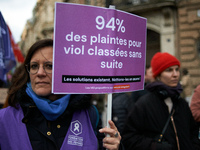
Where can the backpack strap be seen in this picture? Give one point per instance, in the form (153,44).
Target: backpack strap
(94,117)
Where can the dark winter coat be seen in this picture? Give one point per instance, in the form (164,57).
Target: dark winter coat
(147,120)
(121,104)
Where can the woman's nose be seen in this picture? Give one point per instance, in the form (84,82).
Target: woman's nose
(41,70)
(175,73)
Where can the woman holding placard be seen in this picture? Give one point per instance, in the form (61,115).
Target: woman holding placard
(40,120)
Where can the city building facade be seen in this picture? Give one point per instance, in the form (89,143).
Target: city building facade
(173,26)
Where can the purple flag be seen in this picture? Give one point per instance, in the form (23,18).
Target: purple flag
(7,58)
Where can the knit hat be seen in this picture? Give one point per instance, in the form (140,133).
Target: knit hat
(162,61)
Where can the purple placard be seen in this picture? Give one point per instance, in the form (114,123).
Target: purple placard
(97,50)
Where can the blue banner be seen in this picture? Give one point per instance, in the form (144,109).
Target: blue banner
(7,58)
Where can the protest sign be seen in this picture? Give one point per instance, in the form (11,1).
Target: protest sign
(97,50)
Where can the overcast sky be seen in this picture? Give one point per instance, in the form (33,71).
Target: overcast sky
(16,13)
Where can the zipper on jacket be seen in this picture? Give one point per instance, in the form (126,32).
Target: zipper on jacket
(177,140)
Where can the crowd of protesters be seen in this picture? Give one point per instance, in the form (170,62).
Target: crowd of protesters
(158,119)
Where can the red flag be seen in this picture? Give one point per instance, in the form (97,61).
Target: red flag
(17,52)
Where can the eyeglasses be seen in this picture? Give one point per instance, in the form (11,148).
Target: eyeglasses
(33,68)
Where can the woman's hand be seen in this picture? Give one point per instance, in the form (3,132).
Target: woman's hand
(111,142)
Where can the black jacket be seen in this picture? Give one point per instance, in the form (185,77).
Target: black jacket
(147,120)
(121,104)
(49,135)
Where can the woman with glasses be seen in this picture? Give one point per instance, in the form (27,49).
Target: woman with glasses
(40,120)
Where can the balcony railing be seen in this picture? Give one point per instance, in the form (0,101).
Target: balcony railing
(138,2)
(135,6)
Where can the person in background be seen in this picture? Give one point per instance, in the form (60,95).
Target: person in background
(187,85)
(148,79)
(161,119)
(121,105)
(40,120)
(149,75)
(195,105)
